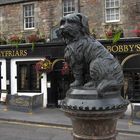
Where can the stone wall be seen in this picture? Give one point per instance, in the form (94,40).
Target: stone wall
(130,16)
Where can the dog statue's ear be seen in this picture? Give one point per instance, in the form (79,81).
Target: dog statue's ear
(84,22)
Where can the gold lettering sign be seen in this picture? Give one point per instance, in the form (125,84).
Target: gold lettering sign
(13,53)
(124,48)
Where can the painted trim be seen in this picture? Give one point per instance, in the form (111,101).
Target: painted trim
(14,80)
(3,74)
(127,58)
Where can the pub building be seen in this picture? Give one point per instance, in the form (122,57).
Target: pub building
(18,75)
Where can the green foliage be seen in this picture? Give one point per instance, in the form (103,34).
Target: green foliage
(117,36)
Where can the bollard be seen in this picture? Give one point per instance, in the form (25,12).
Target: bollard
(93,118)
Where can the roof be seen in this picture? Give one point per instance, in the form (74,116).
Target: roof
(4,2)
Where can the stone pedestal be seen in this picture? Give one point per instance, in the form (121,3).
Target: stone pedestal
(93,118)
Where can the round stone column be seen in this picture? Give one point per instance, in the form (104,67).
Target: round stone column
(93,117)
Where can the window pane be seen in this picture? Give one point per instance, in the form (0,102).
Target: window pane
(65,9)
(35,80)
(69,8)
(107,5)
(112,17)
(73,8)
(24,77)
(108,18)
(117,16)
(117,10)
(117,3)
(112,4)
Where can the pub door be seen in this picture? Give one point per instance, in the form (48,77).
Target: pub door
(58,86)
(132,79)
(51,91)
(136,86)
(132,86)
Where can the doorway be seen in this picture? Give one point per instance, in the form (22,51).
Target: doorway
(131,68)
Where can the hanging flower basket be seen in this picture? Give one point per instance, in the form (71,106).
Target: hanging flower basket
(43,66)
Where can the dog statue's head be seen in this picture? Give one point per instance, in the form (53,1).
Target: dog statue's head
(73,26)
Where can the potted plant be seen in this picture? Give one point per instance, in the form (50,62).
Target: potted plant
(32,38)
(16,39)
(114,33)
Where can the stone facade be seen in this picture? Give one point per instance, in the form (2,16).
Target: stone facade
(49,12)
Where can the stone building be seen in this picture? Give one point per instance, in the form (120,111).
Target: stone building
(44,15)
(21,18)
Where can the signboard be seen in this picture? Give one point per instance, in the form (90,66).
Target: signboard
(124,48)
(49,50)
(13,53)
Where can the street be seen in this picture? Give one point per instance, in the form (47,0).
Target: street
(24,131)
(9,131)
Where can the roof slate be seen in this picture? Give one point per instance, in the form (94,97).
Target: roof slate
(3,2)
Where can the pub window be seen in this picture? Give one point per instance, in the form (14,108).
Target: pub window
(112,10)
(27,77)
(69,6)
(29,17)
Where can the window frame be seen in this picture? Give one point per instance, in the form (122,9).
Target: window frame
(75,4)
(113,7)
(28,66)
(32,12)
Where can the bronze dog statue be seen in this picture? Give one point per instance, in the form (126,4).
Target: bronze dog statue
(86,56)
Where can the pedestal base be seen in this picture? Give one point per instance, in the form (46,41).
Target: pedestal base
(95,125)
(93,118)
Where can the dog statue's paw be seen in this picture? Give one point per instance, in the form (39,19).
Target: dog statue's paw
(90,84)
(76,83)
